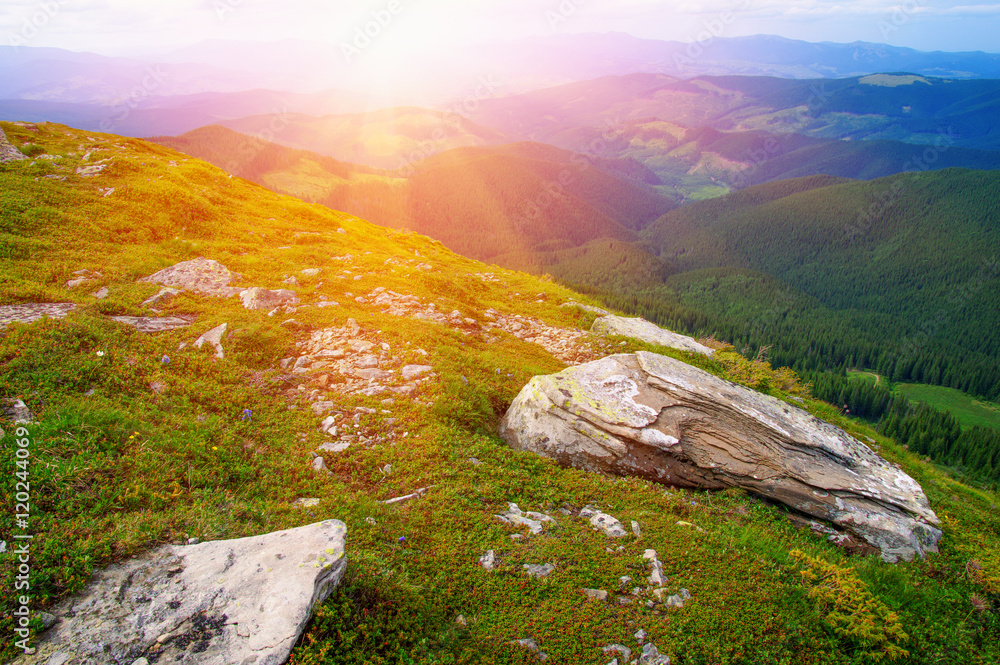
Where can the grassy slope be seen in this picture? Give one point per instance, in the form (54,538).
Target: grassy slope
(969,411)
(124,469)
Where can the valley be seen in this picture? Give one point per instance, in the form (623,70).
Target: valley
(570,347)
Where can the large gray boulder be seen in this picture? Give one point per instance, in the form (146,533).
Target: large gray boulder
(651,416)
(8,153)
(644,331)
(217,603)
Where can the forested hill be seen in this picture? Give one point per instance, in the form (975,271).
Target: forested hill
(912,260)
(483,202)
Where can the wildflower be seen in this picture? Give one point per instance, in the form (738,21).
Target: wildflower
(165,360)
(402,538)
(100,354)
(215,447)
(247,415)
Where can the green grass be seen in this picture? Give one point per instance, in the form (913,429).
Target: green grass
(118,468)
(969,411)
(867,377)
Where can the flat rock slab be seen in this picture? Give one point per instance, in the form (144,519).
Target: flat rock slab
(644,331)
(217,603)
(153,324)
(648,415)
(200,275)
(31,312)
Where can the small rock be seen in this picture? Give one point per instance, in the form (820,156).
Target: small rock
(619,648)
(214,338)
(595,594)
(341,231)
(165,295)
(461,621)
(334,447)
(539,571)
(656,577)
(610,526)
(319,464)
(488,560)
(311,272)
(371,520)
(16,411)
(193,541)
(475,462)
(531,646)
(307,503)
(636,531)
(101,293)
(140,661)
(640,636)
(651,656)
(411,372)
(48,620)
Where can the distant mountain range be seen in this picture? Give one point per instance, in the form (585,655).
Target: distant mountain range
(904,107)
(175,92)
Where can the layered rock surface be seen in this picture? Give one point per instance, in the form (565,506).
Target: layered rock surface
(216,603)
(651,416)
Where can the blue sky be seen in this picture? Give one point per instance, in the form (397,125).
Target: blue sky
(122,26)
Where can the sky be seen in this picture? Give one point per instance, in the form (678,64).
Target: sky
(134,27)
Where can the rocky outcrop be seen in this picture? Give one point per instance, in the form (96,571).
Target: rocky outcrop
(651,416)
(644,331)
(216,603)
(214,339)
(8,153)
(200,275)
(31,312)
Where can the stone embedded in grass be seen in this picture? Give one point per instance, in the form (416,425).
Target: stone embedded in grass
(532,520)
(331,447)
(488,560)
(257,299)
(8,153)
(319,464)
(153,324)
(531,646)
(656,577)
(214,338)
(16,411)
(215,603)
(607,524)
(31,312)
(411,372)
(101,293)
(306,503)
(625,652)
(651,656)
(595,594)
(201,275)
(539,571)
